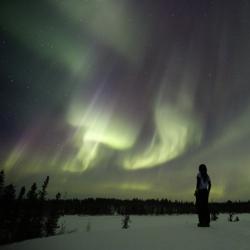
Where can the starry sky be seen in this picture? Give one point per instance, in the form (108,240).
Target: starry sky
(125,98)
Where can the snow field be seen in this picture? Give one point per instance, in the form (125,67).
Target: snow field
(145,233)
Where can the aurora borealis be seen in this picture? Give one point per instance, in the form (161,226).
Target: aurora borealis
(124,98)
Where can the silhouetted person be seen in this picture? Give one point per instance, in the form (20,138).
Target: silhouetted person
(203,187)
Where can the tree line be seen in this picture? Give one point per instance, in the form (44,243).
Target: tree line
(30,214)
(111,206)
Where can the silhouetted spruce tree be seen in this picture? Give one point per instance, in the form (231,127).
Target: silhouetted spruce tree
(33,212)
(230,217)
(9,219)
(58,196)
(9,193)
(53,216)
(42,193)
(32,193)
(19,211)
(1,195)
(125,221)
(1,183)
(39,219)
(21,193)
(30,227)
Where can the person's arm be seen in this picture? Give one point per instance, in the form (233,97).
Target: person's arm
(197,185)
(209,185)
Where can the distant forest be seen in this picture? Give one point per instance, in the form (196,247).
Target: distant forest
(102,206)
(29,214)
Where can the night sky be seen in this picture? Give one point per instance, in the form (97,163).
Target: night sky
(125,98)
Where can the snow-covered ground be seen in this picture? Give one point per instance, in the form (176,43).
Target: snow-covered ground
(145,233)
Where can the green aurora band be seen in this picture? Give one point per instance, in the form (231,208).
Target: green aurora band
(142,93)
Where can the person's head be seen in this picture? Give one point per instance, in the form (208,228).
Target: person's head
(203,169)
